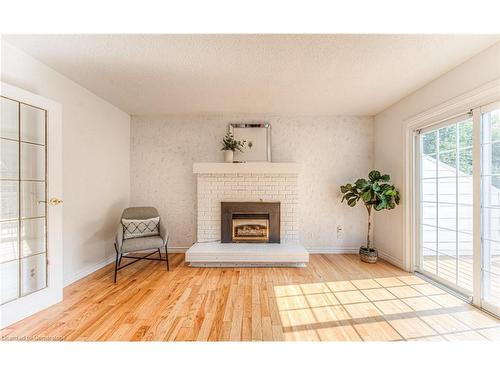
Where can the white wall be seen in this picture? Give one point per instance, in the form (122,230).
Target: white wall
(388,132)
(333,150)
(96,165)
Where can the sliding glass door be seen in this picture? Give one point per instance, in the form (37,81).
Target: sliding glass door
(490,207)
(446,184)
(454,191)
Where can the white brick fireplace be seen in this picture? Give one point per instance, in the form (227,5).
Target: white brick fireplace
(246,182)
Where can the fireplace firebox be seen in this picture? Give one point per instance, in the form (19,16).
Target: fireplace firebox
(250,222)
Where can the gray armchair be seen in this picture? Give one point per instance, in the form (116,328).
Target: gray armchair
(125,246)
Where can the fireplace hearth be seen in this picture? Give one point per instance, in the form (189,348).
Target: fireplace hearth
(250,222)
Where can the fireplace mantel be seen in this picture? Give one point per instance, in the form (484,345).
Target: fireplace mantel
(245,168)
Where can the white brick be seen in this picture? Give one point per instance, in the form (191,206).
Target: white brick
(212,189)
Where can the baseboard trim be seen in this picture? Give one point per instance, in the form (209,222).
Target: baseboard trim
(89,269)
(332,250)
(391,259)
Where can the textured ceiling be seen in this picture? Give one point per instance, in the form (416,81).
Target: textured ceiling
(286,74)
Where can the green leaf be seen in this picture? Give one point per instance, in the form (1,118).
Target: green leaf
(352,202)
(367,196)
(361,183)
(374,175)
(349,196)
(385,177)
(385,186)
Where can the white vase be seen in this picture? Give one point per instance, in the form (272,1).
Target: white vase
(228,156)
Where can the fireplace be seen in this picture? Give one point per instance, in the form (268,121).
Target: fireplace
(250,222)
(250,228)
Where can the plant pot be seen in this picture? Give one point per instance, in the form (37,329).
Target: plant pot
(368,255)
(228,156)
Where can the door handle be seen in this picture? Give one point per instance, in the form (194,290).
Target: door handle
(53,201)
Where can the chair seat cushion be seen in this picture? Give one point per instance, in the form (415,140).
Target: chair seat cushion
(142,243)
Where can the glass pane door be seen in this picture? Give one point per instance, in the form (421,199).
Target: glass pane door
(490,210)
(445,204)
(23,225)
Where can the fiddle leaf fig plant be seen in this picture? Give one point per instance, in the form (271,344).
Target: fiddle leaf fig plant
(377,193)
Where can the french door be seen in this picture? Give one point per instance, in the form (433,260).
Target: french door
(30,228)
(458,204)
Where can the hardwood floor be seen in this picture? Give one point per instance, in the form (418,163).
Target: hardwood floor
(336,297)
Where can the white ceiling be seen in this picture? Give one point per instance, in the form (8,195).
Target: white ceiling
(286,74)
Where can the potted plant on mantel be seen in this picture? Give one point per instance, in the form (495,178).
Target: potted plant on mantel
(377,193)
(230,145)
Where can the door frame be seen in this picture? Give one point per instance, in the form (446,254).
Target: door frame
(476,98)
(23,307)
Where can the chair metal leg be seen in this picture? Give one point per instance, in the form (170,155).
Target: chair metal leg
(119,257)
(116,265)
(117,261)
(166,254)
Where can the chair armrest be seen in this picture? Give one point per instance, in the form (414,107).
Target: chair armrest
(119,238)
(163,233)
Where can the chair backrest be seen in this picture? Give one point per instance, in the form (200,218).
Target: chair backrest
(139,213)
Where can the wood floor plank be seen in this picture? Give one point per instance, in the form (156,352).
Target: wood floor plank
(206,327)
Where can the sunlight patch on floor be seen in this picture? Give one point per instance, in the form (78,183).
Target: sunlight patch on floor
(379,309)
